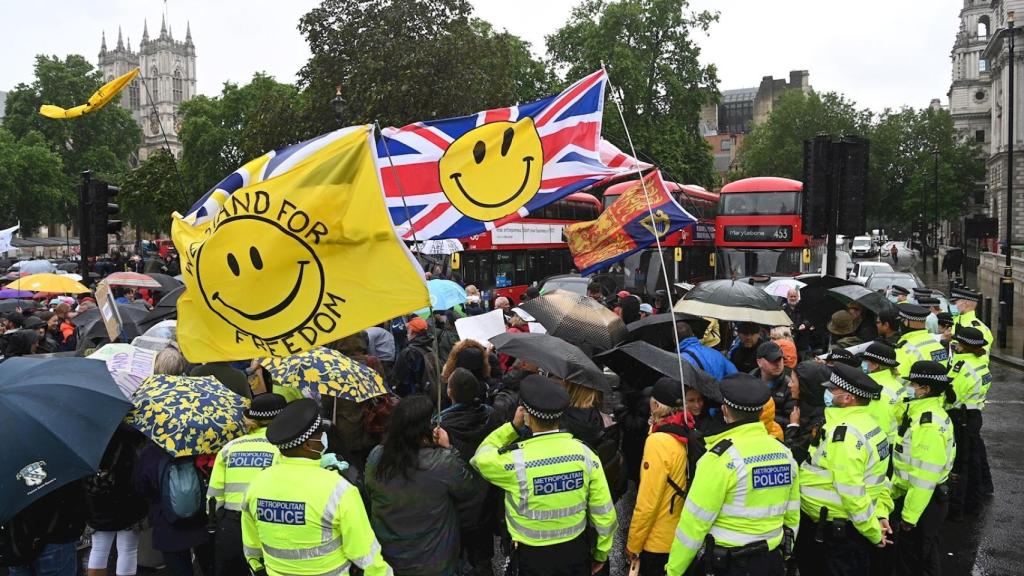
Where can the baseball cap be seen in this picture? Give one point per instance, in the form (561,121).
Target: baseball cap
(770,351)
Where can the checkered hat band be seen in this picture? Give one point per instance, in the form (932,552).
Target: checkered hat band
(304,436)
(941,378)
(881,359)
(970,341)
(842,383)
(263,414)
(743,408)
(965,295)
(907,316)
(541,415)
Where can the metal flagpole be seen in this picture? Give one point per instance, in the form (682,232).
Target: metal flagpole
(167,143)
(650,211)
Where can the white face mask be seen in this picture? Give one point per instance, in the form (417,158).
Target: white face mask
(323,440)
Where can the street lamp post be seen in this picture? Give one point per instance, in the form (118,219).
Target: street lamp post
(935,219)
(1006,286)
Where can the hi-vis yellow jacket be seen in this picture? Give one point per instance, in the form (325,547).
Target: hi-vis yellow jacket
(918,345)
(237,463)
(923,456)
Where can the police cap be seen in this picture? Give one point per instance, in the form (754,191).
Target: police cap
(882,354)
(265,406)
(744,392)
(929,373)
(945,318)
(542,397)
(854,381)
(298,422)
(970,336)
(897,289)
(913,313)
(842,356)
(928,301)
(964,293)
(669,392)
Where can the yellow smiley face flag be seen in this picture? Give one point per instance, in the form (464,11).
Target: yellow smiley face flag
(292,251)
(98,100)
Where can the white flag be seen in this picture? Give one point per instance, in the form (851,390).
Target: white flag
(5,238)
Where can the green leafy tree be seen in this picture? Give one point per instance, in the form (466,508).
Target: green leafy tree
(152,192)
(775,147)
(651,56)
(400,61)
(33,186)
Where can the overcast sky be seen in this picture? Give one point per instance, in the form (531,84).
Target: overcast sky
(880,53)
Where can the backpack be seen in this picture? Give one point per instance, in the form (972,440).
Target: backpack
(419,379)
(181,490)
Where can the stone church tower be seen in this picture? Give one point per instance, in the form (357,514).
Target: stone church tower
(970,102)
(167,78)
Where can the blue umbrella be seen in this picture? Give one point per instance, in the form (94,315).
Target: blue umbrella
(56,417)
(445,294)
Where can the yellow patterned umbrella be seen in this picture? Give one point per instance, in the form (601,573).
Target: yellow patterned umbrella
(323,371)
(187,416)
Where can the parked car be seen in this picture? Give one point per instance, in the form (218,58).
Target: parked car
(863,270)
(864,247)
(884,281)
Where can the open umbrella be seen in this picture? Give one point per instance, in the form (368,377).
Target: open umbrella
(867,298)
(438,247)
(324,372)
(12,305)
(577,319)
(158,336)
(131,279)
(816,306)
(782,287)
(187,416)
(68,266)
(35,266)
(167,283)
(46,282)
(657,329)
(9,293)
(56,416)
(165,309)
(640,364)
(554,356)
(445,294)
(733,301)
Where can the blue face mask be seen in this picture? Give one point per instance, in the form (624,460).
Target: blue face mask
(953,310)
(910,391)
(828,398)
(864,367)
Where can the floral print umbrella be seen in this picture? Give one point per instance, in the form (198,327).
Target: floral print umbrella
(323,371)
(187,416)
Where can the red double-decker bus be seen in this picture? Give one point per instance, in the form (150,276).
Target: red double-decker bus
(507,260)
(641,272)
(757,229)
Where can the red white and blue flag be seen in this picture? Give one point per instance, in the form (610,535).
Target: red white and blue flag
(569,129)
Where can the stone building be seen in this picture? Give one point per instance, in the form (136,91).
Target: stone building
(167,79)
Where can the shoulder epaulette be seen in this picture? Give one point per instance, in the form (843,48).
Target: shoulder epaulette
(900,343)
(926,418)
(720,448)
(958,366)
(509,448)
(839,434)
(975,322)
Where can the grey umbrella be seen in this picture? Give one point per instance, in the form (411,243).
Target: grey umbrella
(555,356)
(641,364)
(733,301)
(167,283)
(867,298)
(577,319)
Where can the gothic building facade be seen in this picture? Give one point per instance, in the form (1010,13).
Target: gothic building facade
(167,79)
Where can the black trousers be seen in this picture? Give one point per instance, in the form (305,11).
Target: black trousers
(652,564)
(228,559)
(763,564)
(979,477)
(917,550)
(570,558)
(838,555)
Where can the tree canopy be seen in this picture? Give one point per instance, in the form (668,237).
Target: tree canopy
(33,186)
(152,192)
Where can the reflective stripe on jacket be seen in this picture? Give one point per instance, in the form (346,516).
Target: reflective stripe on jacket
(924,455)
(918,345)
(236,465)
(971,319)
(971,380)
(888,409)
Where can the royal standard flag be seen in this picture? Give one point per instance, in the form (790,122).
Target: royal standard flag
(98,100)
(301,254)
(627,226)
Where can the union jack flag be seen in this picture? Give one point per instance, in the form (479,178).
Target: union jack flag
(569,127)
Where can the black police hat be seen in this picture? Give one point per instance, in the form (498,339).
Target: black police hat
(843,356)
(882,354)
(970,336)
(945,318)
(897,289)
(298,422)
(928,301)
(964,293)
(265,406)
(668,392)
(854,381)
(770,351)
(913,313)
(542,397)
(744,392)
(930,373)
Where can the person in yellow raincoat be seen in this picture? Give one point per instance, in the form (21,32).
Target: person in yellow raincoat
(663,480)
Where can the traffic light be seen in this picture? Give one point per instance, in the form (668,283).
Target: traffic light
(100,209)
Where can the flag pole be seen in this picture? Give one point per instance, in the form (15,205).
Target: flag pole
(416,242)
(167,143)
(650,211)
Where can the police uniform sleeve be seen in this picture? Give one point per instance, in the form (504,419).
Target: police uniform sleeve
(654,474)
(848,462)
(927,462)
(252,547)
(358,542)
(600,508)
(710,484)
(791,519)
(490,463)
(216,488)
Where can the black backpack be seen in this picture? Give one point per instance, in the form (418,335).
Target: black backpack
(695,448)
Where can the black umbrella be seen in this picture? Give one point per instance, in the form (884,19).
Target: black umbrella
(816,305)
(167,283)
(640,364)
(129,313)
(11,305)
(577,319)
(553,355)
(657,329)
(165,309)
(68,266)
(733,301)
(867,298)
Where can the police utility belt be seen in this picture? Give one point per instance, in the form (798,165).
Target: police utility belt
(721,557)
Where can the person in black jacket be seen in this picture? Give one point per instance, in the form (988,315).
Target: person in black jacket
(809,415)
(115,508)
(40,540)
(771,370)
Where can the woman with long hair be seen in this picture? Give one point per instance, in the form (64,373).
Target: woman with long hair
(415,482)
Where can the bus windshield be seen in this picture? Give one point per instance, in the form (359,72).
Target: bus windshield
(738,263)
(759,203)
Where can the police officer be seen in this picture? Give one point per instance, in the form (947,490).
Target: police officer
(880,365)
(743,502)
(966,302)
(844,493)
(923,459)
(299,518)
(900,293)
(971,380)
(554,486)
(917,343)
(236,465)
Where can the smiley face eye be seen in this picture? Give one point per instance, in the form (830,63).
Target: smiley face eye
(257,260)
(233,264)
(506,141)
(479,151)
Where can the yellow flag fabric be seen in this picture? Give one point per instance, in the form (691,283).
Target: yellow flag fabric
(296,260)
(98,100)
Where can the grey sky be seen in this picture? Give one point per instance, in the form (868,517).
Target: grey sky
(878,52)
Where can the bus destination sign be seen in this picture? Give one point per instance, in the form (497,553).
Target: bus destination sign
(758,234)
